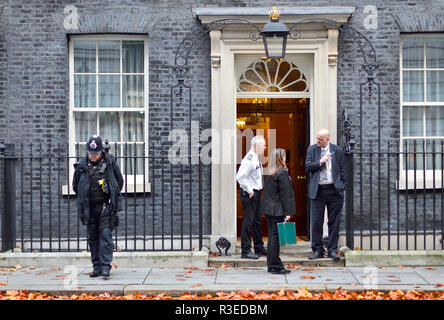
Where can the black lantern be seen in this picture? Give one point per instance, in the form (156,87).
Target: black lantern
(275,35)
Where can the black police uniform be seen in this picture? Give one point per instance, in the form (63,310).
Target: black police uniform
(98,185)
(99,232)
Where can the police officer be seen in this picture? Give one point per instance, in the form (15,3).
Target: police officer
(97,183)
(249,178)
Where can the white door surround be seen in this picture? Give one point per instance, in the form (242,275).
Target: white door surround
(231,43)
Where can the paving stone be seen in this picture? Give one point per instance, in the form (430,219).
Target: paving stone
(248,276)
(181,276)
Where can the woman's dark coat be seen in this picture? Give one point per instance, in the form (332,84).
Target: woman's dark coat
(81,186)
(278,195)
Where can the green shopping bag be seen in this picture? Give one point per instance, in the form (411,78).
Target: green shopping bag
(287,233)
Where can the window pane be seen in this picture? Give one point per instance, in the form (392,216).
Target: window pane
(134,159)
(435,53)
(84,56)
(109,91)
(435,146)
(435,121)
(413,86)
(435,86)
(85,125)
(132,56)
(132,92)
(109,56)
(84,91)
(412,121)
(109,126)
(413,53)
(133,125)
(80,151)
(414,157)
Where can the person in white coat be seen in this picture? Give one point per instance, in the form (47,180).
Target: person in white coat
(249,177)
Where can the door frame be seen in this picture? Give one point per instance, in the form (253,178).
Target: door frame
(323,108)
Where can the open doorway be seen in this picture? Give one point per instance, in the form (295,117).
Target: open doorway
(290,118)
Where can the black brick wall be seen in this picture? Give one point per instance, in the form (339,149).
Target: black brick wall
(34,80)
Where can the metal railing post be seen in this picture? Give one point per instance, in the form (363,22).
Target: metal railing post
(349,205)
(9,193)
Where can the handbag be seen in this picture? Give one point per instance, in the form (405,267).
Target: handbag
(287,233)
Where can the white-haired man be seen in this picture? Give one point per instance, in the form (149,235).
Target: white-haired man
(249,178)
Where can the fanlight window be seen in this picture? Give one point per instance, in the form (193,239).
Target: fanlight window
(272,76)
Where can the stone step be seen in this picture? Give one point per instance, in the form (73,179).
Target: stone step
(300,259)
(291,255)
(299,247)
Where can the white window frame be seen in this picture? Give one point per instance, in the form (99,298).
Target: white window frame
(129,186)
(408,176)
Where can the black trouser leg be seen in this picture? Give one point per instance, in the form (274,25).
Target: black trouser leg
(273,259)
(257,225)
(247,221)
(106,248)
(93,242)
(99,238)
(334,208)
(317,221)
(251,222)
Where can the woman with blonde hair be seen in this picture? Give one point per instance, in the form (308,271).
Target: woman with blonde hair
(278,205)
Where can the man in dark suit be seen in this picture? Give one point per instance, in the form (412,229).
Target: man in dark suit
(325,165)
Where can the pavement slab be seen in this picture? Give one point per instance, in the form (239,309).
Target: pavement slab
(181,276)
(176,281)
(321,276)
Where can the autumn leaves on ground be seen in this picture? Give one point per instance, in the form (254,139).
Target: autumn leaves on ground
(301,294)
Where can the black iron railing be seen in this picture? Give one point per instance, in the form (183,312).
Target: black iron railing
(395,200)
(162,201)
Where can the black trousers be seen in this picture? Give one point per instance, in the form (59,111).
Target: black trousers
(251,222)
(334,201)
(273,260)
(100,239)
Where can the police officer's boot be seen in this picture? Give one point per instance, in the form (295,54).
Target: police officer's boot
(95,273)
(105,274)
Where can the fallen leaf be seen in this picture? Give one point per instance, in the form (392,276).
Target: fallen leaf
(114,266)
(197,285)
(56,269)
(439,284)
(394,280)
(307,277)
(18,267)
(430,268)
(401,267)
(3,283)
(282,292)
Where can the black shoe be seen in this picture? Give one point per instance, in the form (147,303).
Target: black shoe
(95,273)
(249,256)
(105,275)
(334,256)
(262,252)
(280,271)
(316,255)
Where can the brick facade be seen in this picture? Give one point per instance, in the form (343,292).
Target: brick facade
(34,74)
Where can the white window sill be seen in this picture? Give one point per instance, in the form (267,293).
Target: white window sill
(129,188)
(407,182)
